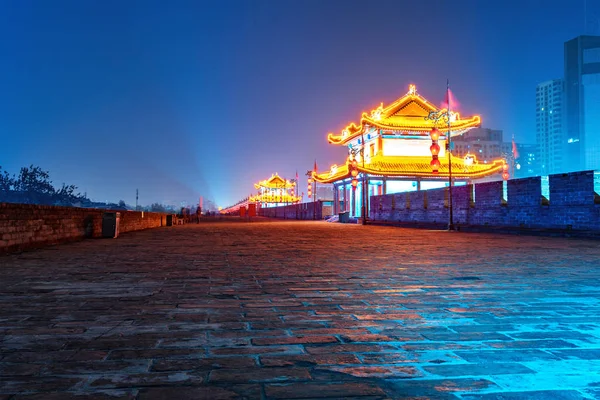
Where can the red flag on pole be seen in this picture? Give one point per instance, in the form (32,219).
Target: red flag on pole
(450,101)
(514,149)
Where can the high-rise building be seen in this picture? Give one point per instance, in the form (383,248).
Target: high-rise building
(488,144)
(582,103)
(549,126)
(484,143)
(526,163)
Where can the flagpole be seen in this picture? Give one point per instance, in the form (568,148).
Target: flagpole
(315,193)
(449,145)
(514,155)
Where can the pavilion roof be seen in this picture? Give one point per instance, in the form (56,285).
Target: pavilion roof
(275,182)
(271,198)
(408,113)
(411,167)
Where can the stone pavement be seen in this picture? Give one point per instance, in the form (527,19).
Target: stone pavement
(294,310)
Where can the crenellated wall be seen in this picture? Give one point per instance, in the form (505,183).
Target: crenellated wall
(573,204)
(314,210)
(27,226)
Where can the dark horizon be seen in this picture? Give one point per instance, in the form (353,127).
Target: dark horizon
(207,98)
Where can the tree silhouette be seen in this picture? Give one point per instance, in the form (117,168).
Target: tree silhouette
(33,186)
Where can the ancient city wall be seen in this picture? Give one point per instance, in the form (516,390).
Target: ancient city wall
(572,204)
(26,226)
(314,210)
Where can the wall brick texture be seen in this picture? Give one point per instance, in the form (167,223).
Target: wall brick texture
(27,226)
(297,211)
(573,204)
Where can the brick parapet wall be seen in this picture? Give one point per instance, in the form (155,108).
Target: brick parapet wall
(306,211)
(27,226)
(571,204)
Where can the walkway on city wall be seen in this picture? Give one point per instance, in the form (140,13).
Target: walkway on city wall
(293,309)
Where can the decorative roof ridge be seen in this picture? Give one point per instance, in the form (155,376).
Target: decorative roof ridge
(380,115)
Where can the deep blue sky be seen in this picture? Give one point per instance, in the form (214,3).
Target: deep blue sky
(186,98)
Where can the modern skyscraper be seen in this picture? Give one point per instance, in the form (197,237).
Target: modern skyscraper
(582,103)
(549,126)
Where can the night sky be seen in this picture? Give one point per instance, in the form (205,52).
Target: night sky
(181,98)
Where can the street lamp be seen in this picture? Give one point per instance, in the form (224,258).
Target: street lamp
(447,117)
(309,193)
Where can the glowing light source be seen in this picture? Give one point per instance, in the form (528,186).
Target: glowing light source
(402,129)
(400,115)
(435,165)
(469,160)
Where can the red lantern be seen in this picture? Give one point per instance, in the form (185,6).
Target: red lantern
(505,167)
(435,134)
(354,163)
(309,181)
(505,176)
(354,173)
(435,165)
(435,149)
(354,183)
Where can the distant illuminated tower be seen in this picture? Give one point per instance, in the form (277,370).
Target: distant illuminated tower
(549,132)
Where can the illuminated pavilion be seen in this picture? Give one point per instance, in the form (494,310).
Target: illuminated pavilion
(274,192)
(395,141)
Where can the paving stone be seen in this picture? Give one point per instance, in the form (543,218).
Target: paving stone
(466,336)
(195,393)
(490,356)
(553,335)
(435,389)
(97,367)
(259,375)
(307,360)
(530,395)
(478,369)
(115,381)
(112,395)
(238,310)
(377,371)
(580,354)
(155,353)
(350,348)
(256,350)
(203,364)
(533,344)
(294,340)
(312,390)
(12,369)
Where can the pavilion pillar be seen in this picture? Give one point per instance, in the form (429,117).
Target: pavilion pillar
(335,199)
(344,197)
(368,199)
(353,203)
(418,184)
(385,185)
